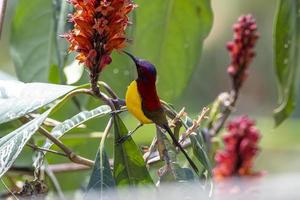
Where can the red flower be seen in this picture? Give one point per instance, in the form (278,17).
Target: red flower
(99,28)
(242,49)
(240,149)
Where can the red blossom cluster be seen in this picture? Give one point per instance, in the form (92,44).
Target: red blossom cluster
(240,149)
(242,49)
(99,28)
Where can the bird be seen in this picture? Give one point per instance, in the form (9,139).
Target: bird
(143,102)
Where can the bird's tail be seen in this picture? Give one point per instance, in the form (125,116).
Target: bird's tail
(193,165)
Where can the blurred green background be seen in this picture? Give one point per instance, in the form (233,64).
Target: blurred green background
(280,146)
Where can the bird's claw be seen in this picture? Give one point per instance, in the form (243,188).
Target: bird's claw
(123,138)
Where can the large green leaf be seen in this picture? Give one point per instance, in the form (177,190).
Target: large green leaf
(18,99)
(129,165)
(170,34)
(287,56)
(12,144)
(33,40)
(70,124)
(101,177)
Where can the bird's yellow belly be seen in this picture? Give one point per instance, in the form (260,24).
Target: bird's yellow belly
(134,103)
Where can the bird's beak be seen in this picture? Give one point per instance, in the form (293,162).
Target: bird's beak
(135,59)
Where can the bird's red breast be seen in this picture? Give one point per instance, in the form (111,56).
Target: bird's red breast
(150,99)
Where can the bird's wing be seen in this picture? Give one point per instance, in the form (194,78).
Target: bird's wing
(158,116)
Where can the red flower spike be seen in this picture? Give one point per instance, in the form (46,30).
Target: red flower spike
(99,28)
(241,49)
(240,149)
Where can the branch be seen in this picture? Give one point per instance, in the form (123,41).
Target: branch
(108,89)
(37,148)
(55,168)
(217,126)
(71,155)
(195,126)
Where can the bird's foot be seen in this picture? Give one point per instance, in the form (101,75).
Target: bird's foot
(124,138)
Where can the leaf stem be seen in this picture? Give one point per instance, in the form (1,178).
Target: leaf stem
(34,147)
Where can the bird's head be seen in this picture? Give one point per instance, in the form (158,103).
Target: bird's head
(146,71)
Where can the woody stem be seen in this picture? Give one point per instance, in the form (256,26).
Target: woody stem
(96,91)
(225,114)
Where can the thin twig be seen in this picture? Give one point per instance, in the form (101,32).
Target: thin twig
(34,147)
(177,118)
(55,168)
(217,126)
(152,149)
(108,89)
(3,4)
(67,167)
(71,155)
(196,124)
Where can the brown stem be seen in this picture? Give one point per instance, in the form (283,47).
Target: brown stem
(108,89)
(71,155)
(96,91)
(225,114)
(55,168)
(36,148)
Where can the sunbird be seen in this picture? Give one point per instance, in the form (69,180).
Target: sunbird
(143,102)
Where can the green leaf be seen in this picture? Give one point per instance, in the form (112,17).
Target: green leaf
(32,40)
(12,144)
(70,124)
(170,34)
(199,147)
(53,74)
(129,165)
(200,151)
(287,56)
(201,154)
(18,99)
(101,177)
